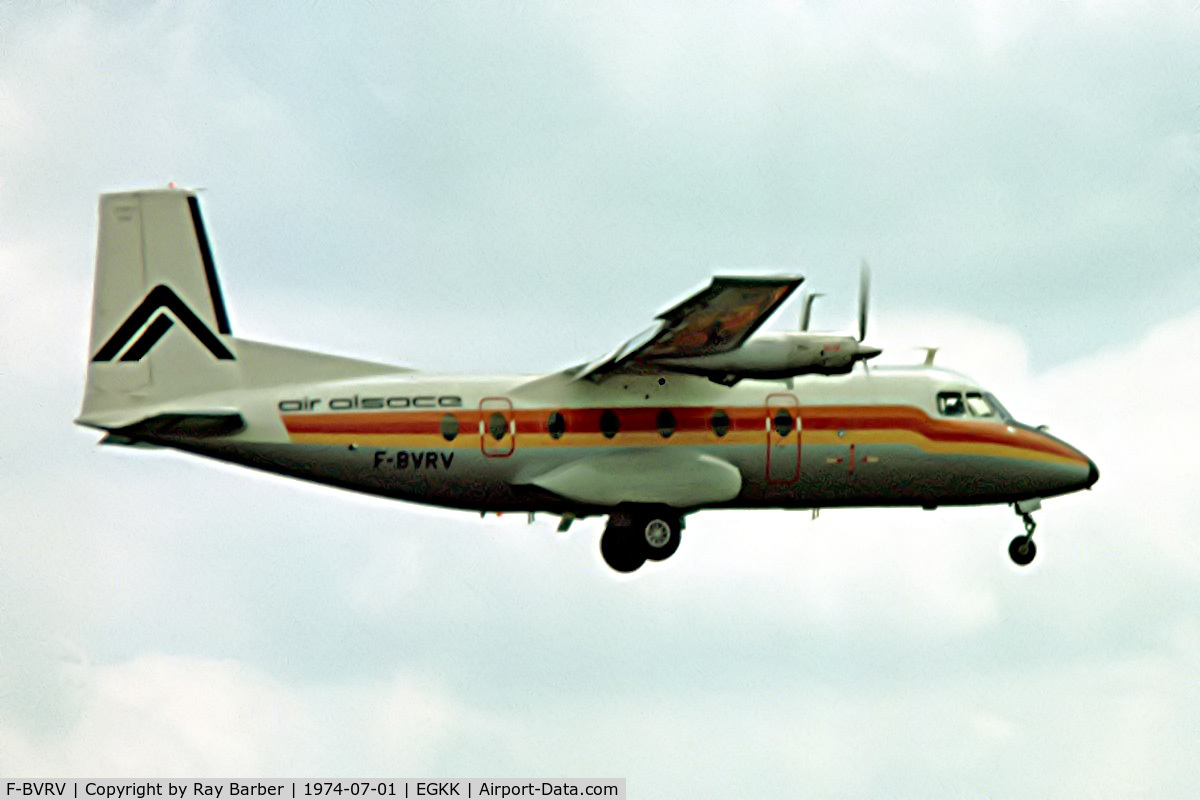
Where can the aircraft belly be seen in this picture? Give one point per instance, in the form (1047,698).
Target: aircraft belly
(456,478)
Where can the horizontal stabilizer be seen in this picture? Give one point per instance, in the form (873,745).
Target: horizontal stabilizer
(178,426)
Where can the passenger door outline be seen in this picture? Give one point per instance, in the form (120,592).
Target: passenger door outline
(496,416)
(783,448)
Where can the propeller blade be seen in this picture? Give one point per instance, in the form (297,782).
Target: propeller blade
(864,292)
(806,313)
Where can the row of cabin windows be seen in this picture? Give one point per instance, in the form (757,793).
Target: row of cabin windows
(610,424)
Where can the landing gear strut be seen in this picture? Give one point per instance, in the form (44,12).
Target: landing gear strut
(633,537)
(1022,549)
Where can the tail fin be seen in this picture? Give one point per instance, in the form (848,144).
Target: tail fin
(160,332)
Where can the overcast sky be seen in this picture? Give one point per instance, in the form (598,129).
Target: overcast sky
(521,187)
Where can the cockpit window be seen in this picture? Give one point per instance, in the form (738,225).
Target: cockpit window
(979,405)
(1000,409)
(950,404)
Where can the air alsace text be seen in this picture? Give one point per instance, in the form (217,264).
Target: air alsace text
(137,791)
(374,403)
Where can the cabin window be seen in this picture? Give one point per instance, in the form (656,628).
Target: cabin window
(497,425)
(783,422)
(666,423)
(609,424)
(950,404)
(449,427)
(979,405)
(719,422)
(556,425)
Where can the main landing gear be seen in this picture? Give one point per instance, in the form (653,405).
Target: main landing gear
(1022,549)
(635,536)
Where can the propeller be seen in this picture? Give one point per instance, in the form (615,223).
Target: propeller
(864,299)
(839,351)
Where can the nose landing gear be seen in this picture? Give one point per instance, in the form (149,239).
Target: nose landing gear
(1022,549)
(633,537)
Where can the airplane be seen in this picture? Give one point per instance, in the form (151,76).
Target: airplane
(699,413)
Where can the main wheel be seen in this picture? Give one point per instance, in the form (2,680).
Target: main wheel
(659,534)
(621,549)
(1022,550)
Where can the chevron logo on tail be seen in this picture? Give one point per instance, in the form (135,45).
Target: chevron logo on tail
(160,297)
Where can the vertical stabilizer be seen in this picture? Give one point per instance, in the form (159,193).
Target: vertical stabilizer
(160,331)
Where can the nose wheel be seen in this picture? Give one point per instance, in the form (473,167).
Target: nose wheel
(1022,549)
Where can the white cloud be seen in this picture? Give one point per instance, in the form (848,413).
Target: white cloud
(1134,403)
(40,341)
(160,716)
(1120,726)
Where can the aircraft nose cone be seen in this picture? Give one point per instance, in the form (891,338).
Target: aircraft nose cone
(1093,474)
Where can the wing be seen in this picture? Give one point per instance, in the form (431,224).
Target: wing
(717,319)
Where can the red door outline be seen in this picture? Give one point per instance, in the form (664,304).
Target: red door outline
(783,452)
(488,443)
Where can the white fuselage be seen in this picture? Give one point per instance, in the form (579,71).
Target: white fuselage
(561,445)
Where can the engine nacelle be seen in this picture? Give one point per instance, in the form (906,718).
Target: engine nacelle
(777,356)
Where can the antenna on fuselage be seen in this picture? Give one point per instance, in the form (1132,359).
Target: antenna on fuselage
(930,352)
